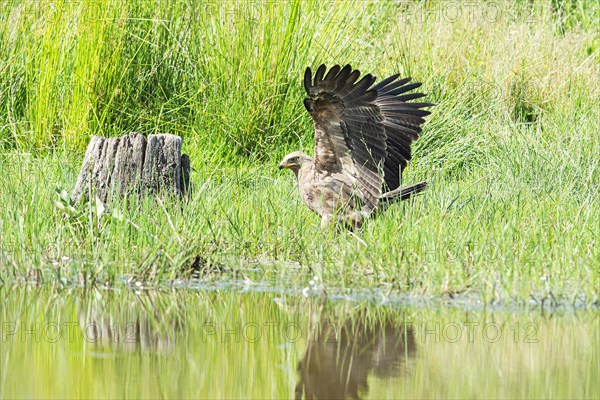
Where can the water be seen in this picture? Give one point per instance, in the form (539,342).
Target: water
(232,344)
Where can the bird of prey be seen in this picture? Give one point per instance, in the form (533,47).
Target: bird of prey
(363,134)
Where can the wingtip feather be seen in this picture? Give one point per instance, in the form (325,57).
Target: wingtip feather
(320,73)
(308,80)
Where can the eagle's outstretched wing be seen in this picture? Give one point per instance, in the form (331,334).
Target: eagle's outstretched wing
(363,130)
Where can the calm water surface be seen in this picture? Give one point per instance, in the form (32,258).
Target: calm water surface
(193,344)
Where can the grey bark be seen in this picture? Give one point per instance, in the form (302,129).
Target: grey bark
(133,163)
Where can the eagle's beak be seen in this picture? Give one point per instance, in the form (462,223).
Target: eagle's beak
(282,166)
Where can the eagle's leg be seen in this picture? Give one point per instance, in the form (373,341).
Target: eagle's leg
(351,220)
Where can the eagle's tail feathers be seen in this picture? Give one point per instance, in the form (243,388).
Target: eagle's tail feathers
(404,193)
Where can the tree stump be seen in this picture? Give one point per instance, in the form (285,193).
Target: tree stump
(133,164)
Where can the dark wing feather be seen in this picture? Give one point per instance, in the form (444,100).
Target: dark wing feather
(402,122)
(349,136)
(361,129)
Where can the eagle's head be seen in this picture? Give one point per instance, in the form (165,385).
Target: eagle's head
(294,161)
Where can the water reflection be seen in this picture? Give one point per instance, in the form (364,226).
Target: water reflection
(144,324)
(184,344)
(340,356)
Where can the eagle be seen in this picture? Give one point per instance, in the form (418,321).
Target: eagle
(363,134)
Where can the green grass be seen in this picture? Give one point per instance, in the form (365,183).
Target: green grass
(511,148)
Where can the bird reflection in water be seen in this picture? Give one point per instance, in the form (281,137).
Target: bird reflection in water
(340,356)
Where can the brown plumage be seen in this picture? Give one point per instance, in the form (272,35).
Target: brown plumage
(363,134)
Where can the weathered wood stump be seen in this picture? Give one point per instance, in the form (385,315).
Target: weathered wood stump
(133,164)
